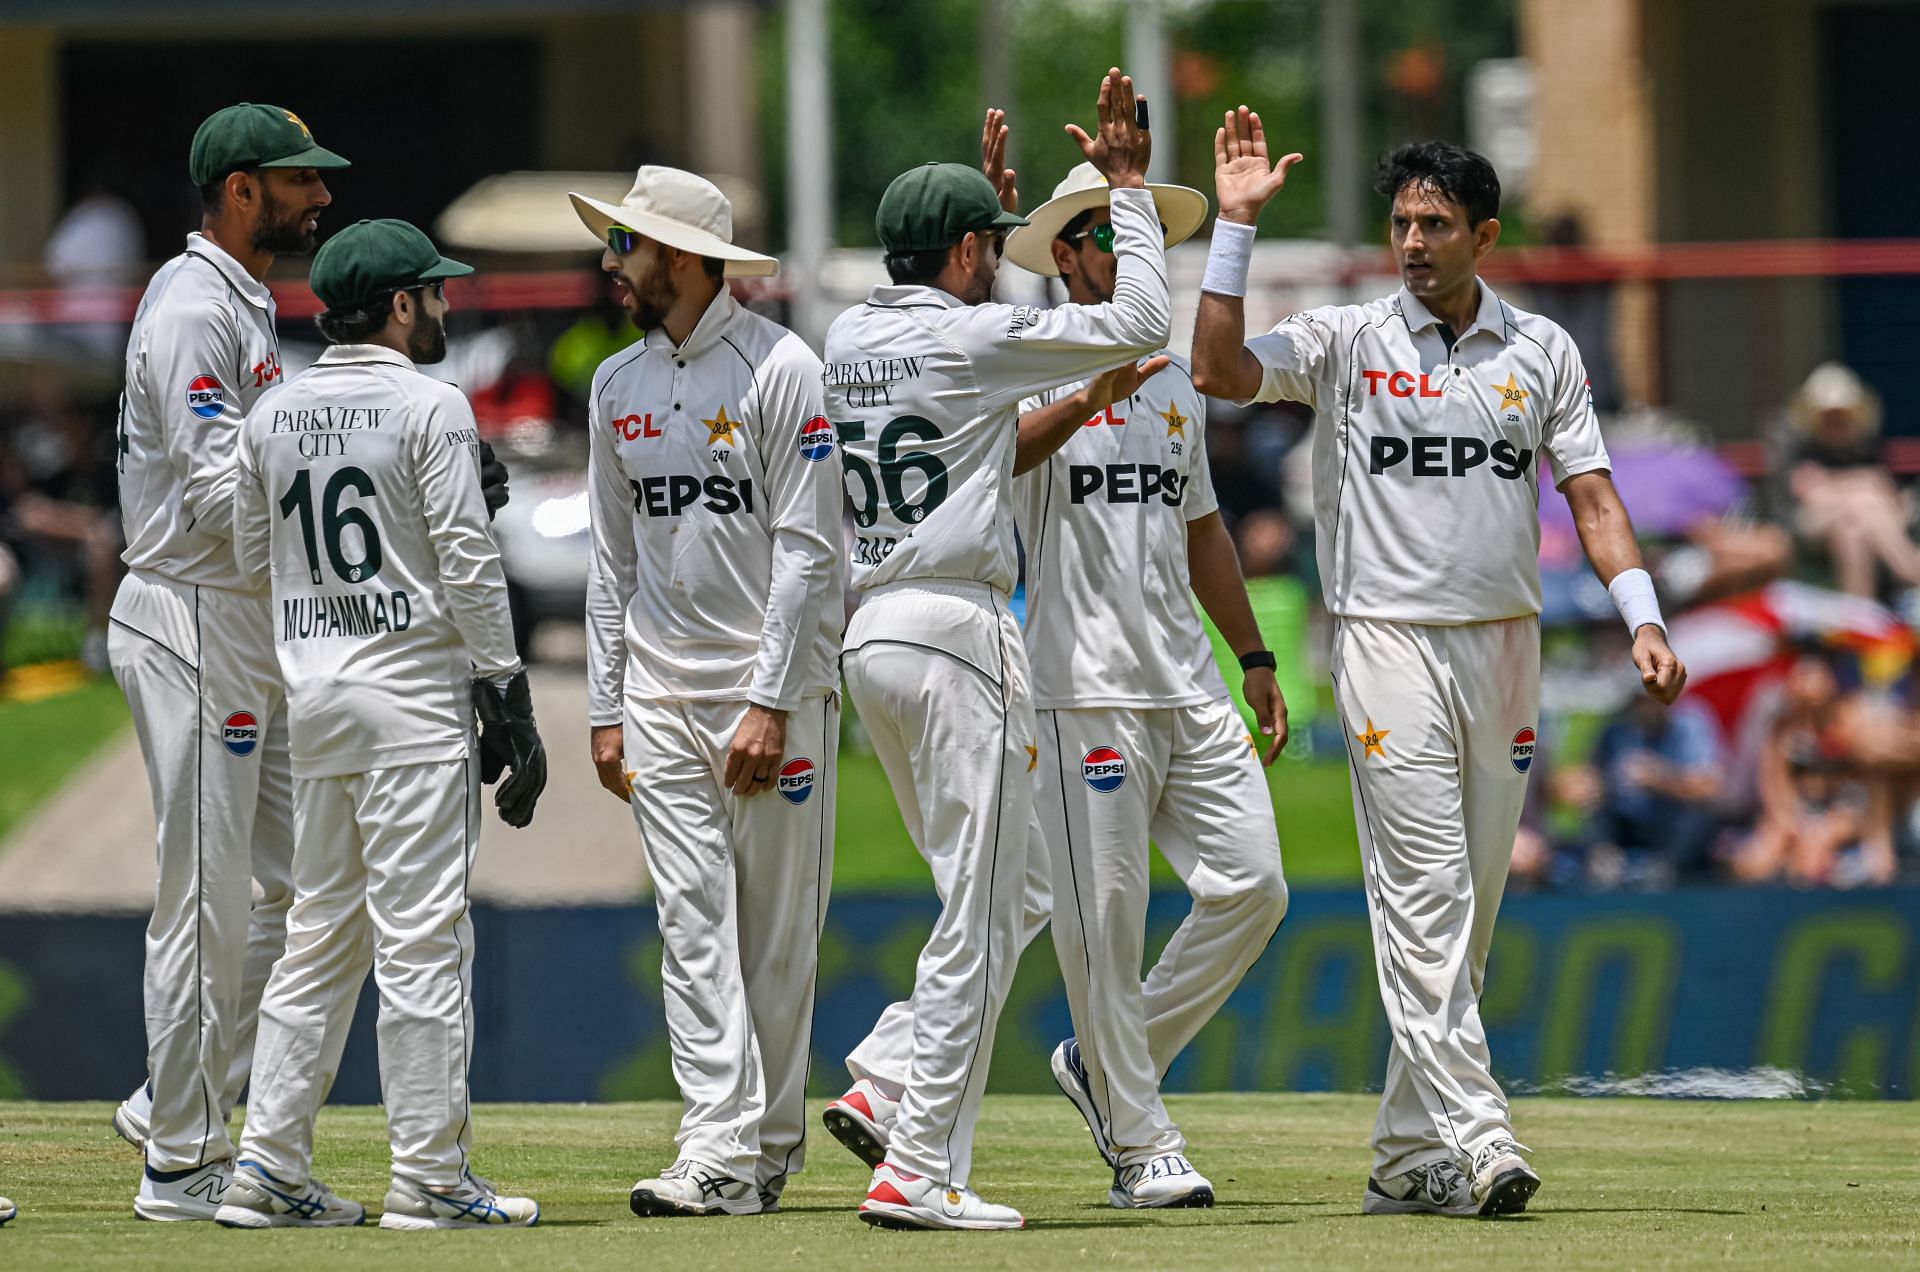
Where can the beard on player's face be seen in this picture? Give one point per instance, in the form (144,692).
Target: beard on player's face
(427,339)
(646,286)
(283,228)
(980,283)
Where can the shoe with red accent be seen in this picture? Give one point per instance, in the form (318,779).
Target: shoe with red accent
(863,1119)
(901,1199)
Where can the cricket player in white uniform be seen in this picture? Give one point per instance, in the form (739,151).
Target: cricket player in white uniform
(924,383)
(191,645)
(714,609)
(1435,410)
(358,498)
(1138,736)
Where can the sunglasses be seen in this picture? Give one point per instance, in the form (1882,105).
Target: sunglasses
(621,239)
(1102,236)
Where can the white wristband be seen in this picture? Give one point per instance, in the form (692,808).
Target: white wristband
(1632,592)
(1228,258)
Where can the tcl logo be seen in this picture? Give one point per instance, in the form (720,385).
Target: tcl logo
(1403,384)
(1447,456)
(635,427)
(1106,416)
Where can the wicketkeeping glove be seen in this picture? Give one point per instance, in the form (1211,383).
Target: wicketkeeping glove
(493,480)
(510,740)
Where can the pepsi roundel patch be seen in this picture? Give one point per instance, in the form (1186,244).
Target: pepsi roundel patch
(205,397)
(816,439)
(1105,769)
(240,733)
(795,780)
(1523,750)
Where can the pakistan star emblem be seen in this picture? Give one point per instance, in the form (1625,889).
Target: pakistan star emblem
(1511,394)
(720,428)
(1033,757)
(1176,422)
(1374,740)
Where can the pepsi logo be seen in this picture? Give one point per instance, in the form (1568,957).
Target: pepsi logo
(240,733)
(795,781)
(1523,743)
(1105,769)
(816,439)
(205,397)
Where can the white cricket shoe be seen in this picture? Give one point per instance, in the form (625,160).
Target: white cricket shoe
(1436,1188)
(474,1203)
(194,1193)
(133,1120)
(690,1187)
(901,1199)
(862,1120)
(7,1210)
(1164,1182)
(1503,1183)
(1070,1071)
(256,1199)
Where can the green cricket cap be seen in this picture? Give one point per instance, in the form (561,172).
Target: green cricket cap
(937,205)
(250,135)
(369,257)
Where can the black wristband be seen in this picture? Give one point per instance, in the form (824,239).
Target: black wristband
(1259,658)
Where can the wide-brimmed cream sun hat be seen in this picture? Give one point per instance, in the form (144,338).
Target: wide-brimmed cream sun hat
(680,209)
(1183,211)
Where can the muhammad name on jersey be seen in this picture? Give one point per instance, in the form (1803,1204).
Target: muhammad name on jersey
(358,614)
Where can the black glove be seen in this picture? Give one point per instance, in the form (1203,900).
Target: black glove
(493,480)
(510,740)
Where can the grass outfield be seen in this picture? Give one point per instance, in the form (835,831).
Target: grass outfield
(44,739)
(1629,1184)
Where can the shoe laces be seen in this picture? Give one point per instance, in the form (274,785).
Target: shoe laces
(1441,1179)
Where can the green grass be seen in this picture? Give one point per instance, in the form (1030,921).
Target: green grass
(1629,1184)
(1310,798)
(42,742)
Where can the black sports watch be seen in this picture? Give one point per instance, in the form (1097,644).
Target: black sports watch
(1259,658)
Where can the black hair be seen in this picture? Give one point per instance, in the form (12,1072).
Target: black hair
(1451,171)
(1076,225)
(715,267)
(909,269)
(213,195)
(352,324)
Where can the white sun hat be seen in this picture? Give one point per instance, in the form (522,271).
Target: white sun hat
(680,209)
(1183,210)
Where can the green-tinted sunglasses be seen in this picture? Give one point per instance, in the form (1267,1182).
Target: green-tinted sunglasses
(1102,236)
(621,239)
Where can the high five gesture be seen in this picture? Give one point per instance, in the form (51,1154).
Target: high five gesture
(1122,148)
(1242,178)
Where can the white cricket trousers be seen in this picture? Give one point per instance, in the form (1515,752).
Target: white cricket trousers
(197,667)
(1440,733)
(380,879)
(1189,779)
(740,886)
(939,675)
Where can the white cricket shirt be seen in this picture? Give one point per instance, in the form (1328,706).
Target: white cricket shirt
(715,503)
(1426,459)
(202,351)
(925,392)
(359,493)
(1110,613)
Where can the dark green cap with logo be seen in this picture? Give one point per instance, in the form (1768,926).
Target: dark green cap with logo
(937,205)
(370,257)
(254,136)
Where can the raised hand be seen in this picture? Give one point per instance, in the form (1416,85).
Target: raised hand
(1242,178)
(993,158)
(1123,381)
(1122,148)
